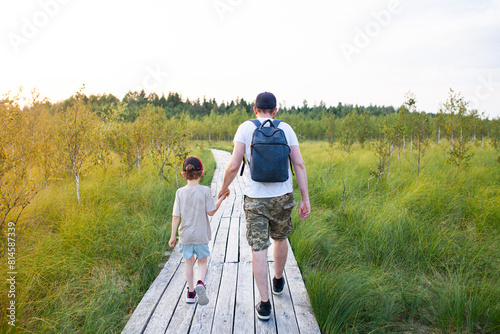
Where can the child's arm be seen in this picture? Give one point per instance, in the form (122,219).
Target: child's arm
(217,206)
(175,224)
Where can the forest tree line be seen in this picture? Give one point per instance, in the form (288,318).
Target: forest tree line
(45,141)
(207,119)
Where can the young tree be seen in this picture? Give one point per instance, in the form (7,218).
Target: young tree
(18,184)
(438,123)
(132,140)
(348,131)
(418,124)
(383,148)
(456,110)
(161,140)
(363,129)
(77,138)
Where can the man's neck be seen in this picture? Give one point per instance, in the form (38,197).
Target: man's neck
(265,116)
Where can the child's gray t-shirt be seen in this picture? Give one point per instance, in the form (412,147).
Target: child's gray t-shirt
(192,205)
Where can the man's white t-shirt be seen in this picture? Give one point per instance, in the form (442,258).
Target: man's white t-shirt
(255,189)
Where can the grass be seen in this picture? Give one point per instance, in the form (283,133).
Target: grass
(400,256)
(83,268)
(407,255)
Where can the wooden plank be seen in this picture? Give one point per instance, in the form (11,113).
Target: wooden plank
(163,313)
(230,286)
(270,251)
(245,250)
(290,258)
(214,226)
(238,206)
(183,314)
(268,326)
(228,206)
(224,309)
(283,308)
(244,308)
(149,302)
(203,316)
(305,317)
(219,248)
(232,249)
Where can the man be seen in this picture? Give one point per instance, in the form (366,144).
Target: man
(267,205)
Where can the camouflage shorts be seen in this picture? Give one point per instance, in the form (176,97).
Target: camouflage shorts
(268,217)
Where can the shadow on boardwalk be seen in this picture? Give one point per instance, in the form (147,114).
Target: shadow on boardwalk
(230,285)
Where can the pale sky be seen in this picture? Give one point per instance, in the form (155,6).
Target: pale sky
(358,52)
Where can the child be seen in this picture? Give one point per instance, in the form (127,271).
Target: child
(193,203)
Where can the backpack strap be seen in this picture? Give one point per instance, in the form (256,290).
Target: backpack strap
(257,123)
(276,123)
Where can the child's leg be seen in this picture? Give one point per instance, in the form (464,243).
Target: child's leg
(201,292)
(202,268)
(189,273)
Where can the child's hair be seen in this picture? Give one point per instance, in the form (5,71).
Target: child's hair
(191,173)
(192,168)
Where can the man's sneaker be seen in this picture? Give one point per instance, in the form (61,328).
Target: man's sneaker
(201,291)
(263,310)
(278,285)
(191,297)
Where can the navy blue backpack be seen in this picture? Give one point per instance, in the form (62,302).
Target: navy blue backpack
(270,153)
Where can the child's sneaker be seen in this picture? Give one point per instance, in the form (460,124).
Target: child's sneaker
(201,291)
(191,297)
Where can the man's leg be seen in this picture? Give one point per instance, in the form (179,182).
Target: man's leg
(259,264)
(280,255)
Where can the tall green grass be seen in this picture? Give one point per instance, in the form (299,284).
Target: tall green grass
(406,255)
(83,268)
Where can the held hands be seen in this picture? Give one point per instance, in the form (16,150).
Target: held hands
(224,193)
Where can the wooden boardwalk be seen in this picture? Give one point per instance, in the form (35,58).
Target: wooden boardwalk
(230,285)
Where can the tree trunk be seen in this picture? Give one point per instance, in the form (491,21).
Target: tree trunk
(418,164)
(77,182)
(439,133)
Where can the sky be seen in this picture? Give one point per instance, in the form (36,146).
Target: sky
(358,52)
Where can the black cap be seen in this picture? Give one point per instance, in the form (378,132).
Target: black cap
(192,161)
(265,100)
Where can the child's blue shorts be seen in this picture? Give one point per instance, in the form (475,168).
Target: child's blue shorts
(189,250)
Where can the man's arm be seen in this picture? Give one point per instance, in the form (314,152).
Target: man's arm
(232,168)
(301,175)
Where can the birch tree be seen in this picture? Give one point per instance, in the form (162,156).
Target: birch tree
(77,139)
(456,110)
